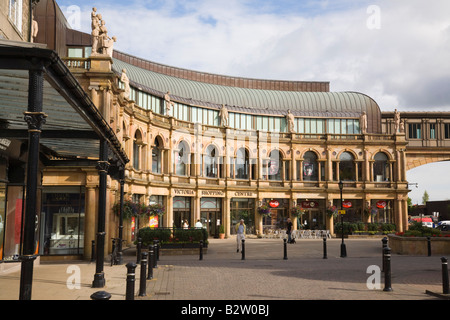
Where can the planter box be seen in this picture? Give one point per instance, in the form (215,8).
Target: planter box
(182,245)
(418,245)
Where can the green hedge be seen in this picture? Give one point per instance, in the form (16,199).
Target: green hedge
(359,227)
(148,234)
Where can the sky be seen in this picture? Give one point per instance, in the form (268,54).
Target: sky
(395,51)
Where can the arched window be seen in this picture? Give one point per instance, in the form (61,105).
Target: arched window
(381,170)
(347,170)
(156,156)
(310,167)
(212,162)
(137,146)
(275,165)
(241,168)
(182,156)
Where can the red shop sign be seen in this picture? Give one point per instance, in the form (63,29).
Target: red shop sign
(274,203)
(381,204)
(309,204)
(347,204)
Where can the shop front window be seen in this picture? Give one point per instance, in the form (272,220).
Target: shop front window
(242,208)
(181,212)
(12,223)
(275,166)
(62,219)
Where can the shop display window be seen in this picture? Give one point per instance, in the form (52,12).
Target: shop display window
(62,221)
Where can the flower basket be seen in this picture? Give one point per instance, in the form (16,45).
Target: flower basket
(332,212)
(264,210)
(130,209)
(297,211)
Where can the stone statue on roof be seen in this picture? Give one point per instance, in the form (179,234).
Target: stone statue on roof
(223,114)
(290,122)
(168,103)
(126,82)
(101,42)
(363,122)
(396,121)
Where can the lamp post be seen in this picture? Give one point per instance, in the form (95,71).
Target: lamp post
(343,248)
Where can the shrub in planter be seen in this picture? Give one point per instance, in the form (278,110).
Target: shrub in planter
(149,234)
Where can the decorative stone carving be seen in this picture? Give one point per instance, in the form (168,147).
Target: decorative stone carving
(223,114)
(126,82)
(396,121)
(290,121)
(168,102)
(363,122)
(34,29)
(101,42)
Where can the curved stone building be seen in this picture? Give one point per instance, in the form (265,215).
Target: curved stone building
(206,147)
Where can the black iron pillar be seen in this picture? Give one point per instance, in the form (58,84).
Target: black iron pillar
(102,166)
(343,248)
(35,119)
(122,184)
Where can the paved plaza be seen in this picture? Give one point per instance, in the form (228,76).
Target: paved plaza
(263,275)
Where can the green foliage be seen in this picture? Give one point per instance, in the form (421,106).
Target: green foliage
(417,229)
(361,227)
(149,234)
(221,229)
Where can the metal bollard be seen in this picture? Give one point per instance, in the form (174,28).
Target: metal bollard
(143,282)
(201,250)
(285,249)
(93,251)
(429,246)
(101,295)
(243,249)
(156,242)
(384,245)
(325,247)
(138,251)
(155,261)
(151,257)
(445,281)
(131,278)
(387,268)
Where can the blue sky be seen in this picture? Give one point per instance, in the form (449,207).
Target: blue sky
(395,51)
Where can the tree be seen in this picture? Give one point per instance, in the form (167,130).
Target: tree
(425,197)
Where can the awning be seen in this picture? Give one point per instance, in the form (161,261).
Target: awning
(74,126)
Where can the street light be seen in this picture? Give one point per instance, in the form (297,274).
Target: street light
(343,249)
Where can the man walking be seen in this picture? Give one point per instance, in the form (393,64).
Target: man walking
(240,234)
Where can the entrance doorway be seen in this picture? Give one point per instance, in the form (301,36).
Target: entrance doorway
(211,215)
(211,221)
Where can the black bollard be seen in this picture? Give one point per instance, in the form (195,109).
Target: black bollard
(384,245)
(285,249)
(243,249)
(387,269)
(429,246)
(93,251)
(143,280)
(201,250)
(131,278)
(445,281)
(325,247)
(138,251)
(151,257)
(156,243)
(101,295)
(155,261)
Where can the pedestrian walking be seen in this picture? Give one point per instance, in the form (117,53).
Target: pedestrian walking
(289,230)
(240,234)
